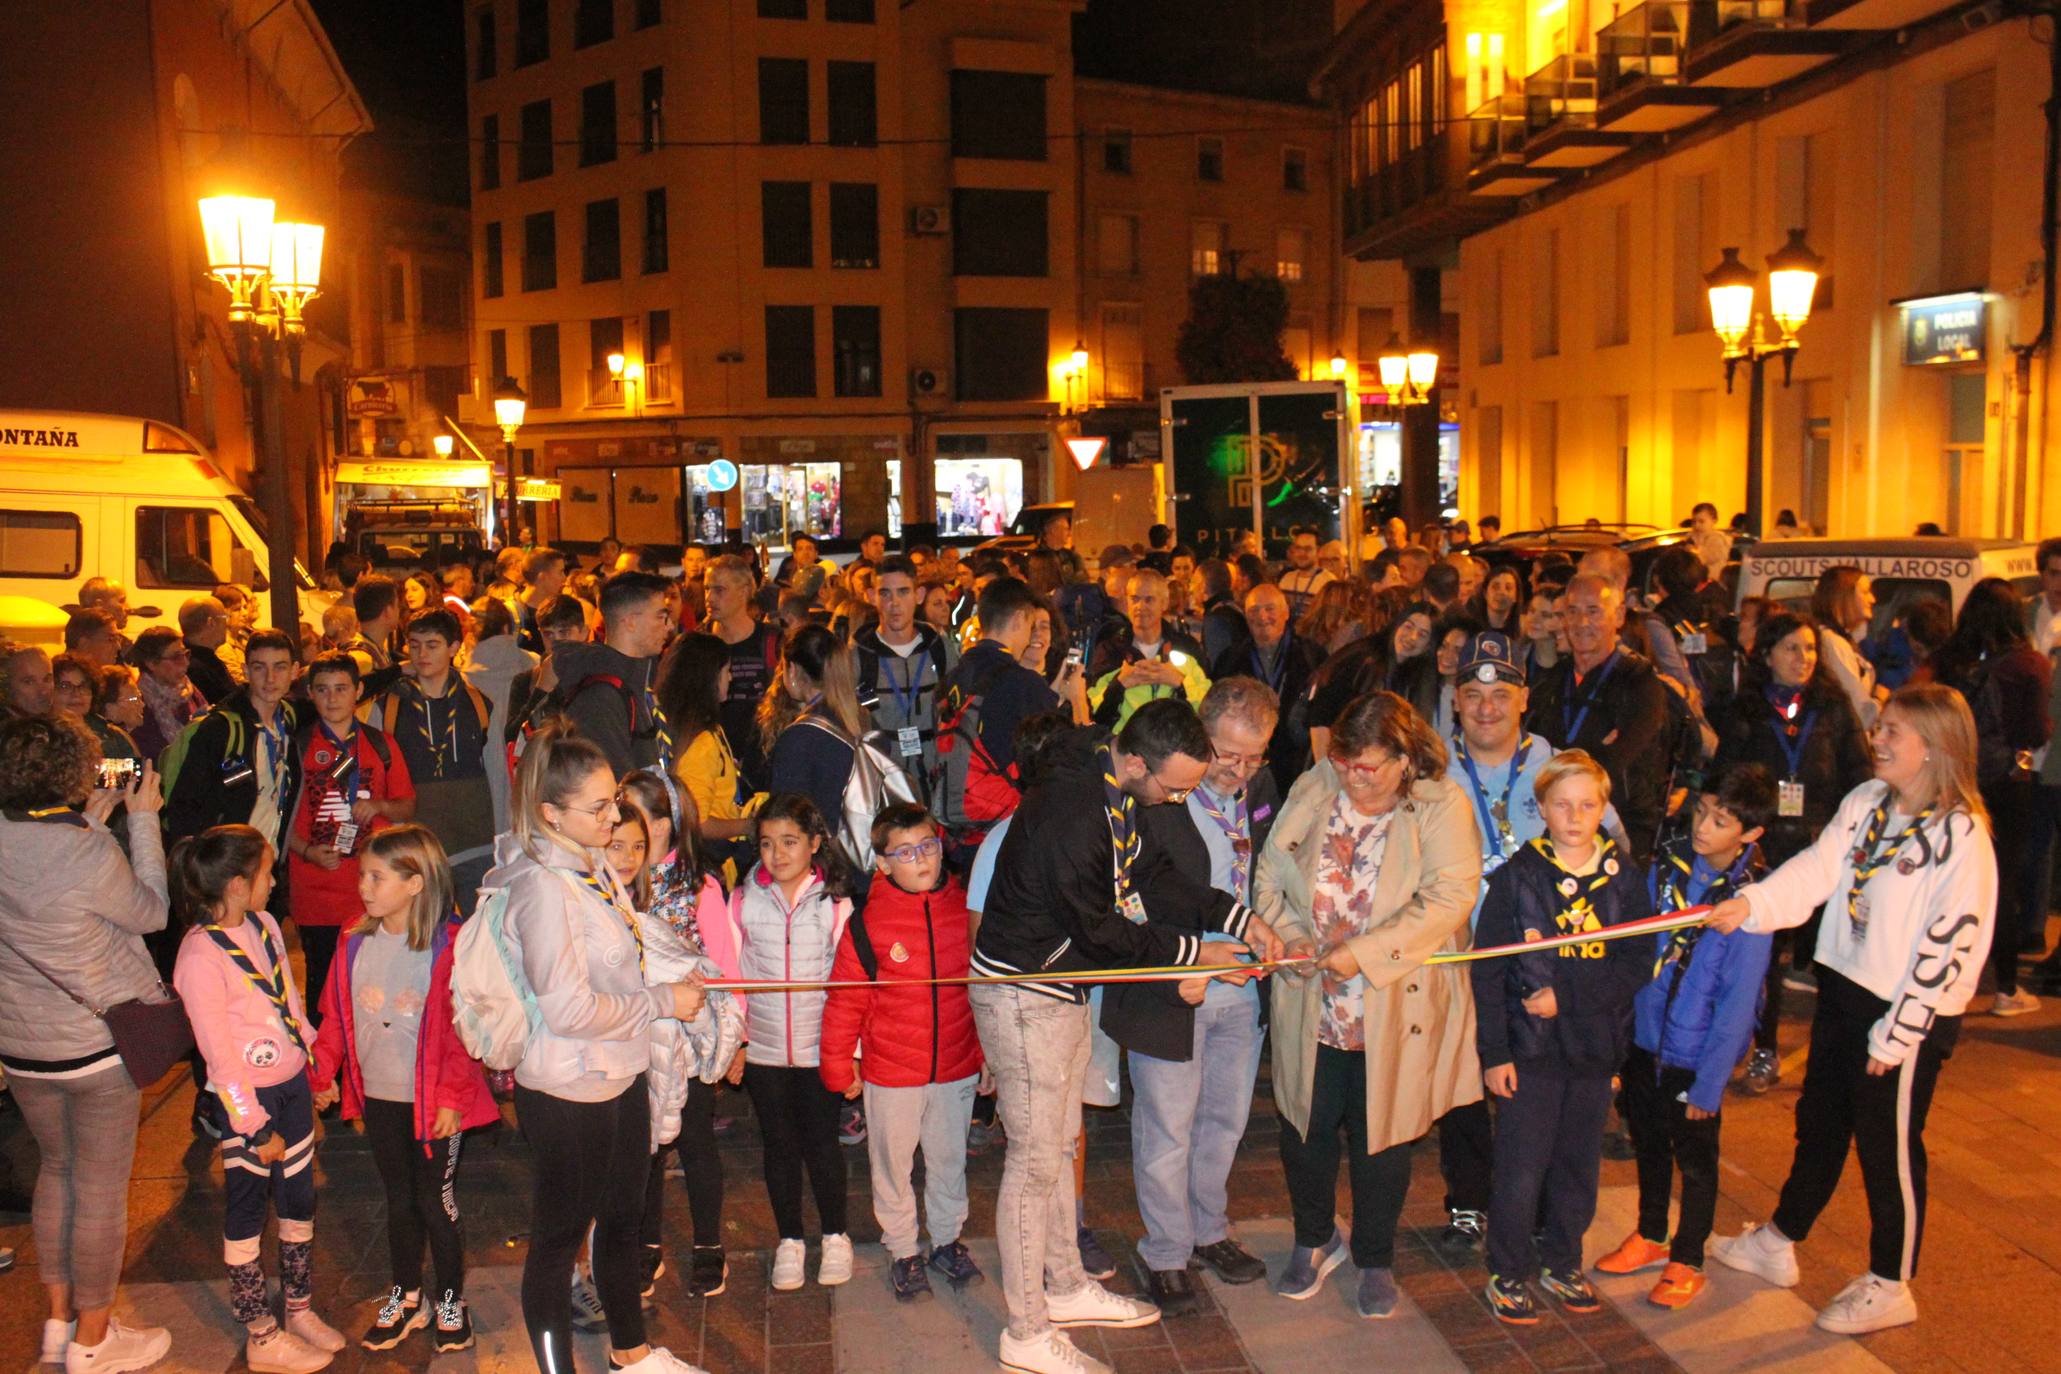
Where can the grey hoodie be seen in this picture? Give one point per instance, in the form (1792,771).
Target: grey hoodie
(618,719)
(493,669)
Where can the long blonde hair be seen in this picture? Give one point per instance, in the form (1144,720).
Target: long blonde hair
(1941,717)
(826,661)
(555,762)
(414,851)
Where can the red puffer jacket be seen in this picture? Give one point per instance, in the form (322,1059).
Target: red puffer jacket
(910,1035)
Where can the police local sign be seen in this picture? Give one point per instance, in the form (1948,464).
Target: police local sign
(1945,331)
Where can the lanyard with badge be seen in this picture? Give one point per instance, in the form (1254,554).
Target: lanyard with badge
(908,737)
(1122,809)
(1279,675)
(1794,739)
(1495,817)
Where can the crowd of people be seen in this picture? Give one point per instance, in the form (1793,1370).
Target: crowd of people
(524,815)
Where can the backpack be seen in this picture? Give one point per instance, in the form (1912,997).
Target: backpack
(875,782)
(172,759)
(390,708)
(969,792)
(493,1007)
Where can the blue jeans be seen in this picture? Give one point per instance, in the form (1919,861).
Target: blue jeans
(1186,1123)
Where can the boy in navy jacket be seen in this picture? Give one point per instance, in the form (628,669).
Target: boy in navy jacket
(1553,1028)
(1691,1025)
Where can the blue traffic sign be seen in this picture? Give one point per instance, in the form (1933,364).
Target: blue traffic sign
(722,475)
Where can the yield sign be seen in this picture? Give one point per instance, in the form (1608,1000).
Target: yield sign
(1086,451)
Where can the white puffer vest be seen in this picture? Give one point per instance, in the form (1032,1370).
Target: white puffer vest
(789,946)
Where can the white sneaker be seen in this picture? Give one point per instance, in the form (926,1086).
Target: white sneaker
(1093,1305)
(2014,1004)
(587,1312)
(658,1360)
(125,1347)
(1051,1353)
(835,1266)
(1759,1250)
(302,1322)
(278,1351)
(1869,1303)
(56,1336)
(790,1266)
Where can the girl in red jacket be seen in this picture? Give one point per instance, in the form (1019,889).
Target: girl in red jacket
(387,1049)
(915,1047)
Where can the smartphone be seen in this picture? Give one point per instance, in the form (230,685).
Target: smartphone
(1177,658)
(117,773)
(1075,656)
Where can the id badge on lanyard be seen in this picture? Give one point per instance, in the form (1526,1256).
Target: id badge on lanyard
(909,740)
(1789,798)
(1133,907)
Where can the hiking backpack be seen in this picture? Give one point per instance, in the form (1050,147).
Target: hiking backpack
(493,1007)
(969,792)
(875,782)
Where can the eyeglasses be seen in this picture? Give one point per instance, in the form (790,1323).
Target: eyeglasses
(1359,774)
(599,809)
(913,853)
(1174,795)
(1239,762)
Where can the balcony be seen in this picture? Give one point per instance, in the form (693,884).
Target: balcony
(1640,84)
(1850,15)
(1126,381)
(1497,132)
(1560,100)
(1417,202)
(658,384)
(604,390)
(1755,44)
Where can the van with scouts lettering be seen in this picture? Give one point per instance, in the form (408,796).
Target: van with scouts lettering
(1902,571)
(135,501)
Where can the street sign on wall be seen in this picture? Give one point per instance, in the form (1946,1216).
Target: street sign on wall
(1944,330)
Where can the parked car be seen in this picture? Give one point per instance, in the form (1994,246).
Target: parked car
(1644,543)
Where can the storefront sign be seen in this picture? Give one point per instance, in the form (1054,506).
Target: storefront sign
(1945,330)
(797,445)
(372,396)
(721,475)
(705,448)
(538,489)
(394,474)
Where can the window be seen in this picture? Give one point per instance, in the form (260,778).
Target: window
(486,57)
(1966,167)
(999,115)
(848,11)
(1117,244)
(658,356)
(1694,254)
(1116,151)
(490,262)
(1545,296)
(1612,274)
(597,124)
(533,148)
(440,298)
(532,31)
(1291,251)
(783,9)
(783,100)
(854,224)
(545,391)
(1209,159)
(190,546)
(852,119)
(396,293)
(855,349)
(1207,241)
(999,354)
(1295,169)
(593,22)
(40,543)
(1123,352)
(658,255)
(490,153)
(649,13)
(539,251)
(497,357)
(790,350)
(786,230)
(601,257)
(1490,313)
(603,338)
(652,105)
(998,233)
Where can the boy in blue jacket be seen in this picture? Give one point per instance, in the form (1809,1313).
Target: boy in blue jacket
(1553,1027)
(1691,1025)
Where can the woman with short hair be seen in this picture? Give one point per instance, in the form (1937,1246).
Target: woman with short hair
(170,700)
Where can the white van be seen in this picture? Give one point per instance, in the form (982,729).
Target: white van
(132,500)
(1902,571)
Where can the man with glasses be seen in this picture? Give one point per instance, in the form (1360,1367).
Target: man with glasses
(1195,1046)
(1067,897)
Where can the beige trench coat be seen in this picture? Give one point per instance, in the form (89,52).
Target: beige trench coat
(1421,1060)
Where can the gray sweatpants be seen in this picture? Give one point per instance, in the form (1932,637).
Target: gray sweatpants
(934,1116)
(1037,1049)
(85,1131)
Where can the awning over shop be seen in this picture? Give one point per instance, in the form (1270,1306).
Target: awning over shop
(406,474)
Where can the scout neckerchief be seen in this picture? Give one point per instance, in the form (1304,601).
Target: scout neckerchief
(1121,808)
(1236,823)
(1674,871)
(661,727)
(1575,895)
(272,985)
(603,886)
(275,747)
(444,749)
(1868,861)
(346,780)
(1570,722)
(1495,816)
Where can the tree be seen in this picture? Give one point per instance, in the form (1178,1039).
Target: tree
(1233,331)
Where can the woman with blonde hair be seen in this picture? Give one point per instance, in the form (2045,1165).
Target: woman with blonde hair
(1908,879)
(811,721)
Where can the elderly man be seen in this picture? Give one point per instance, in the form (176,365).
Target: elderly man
(1194,1048)
(103,594)
(1303,578)
(1271,651)
(30,687)
(1609,700)
(91,635)
(204,624)
(1155,661)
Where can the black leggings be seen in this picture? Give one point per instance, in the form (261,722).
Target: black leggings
(696,1151)
(421,1197)
(798,1123)
(591,1162)
(1666,1141)
(318,951)
(1380,1181)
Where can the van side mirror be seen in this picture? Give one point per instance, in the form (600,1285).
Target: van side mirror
(146,612)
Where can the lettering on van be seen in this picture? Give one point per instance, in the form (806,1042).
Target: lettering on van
(1939,569)
(39,438)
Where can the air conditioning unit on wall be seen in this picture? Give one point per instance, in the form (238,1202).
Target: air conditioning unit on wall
(930,219)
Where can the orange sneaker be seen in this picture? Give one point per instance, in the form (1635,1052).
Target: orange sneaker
(1679,1284)
(1636,1254)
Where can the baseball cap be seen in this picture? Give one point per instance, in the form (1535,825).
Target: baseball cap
(1490,656)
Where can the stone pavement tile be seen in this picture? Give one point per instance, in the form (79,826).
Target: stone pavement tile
(958,1329)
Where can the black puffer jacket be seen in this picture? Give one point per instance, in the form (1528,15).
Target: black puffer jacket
(1833,758)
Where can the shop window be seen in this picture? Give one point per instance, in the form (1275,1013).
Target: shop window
(533,147)
(593,22)
(786,229)
(490,153)
(532,31)
(490,263)
(781,500)
(545,391)
(852,104)
(977,495)
(783,100)
(790,350)
(854,224)
(1000,354)
(40,543)
(657,254)
(597,124)
(190,546)
(540,251)
(705,519)
(999,233)
(855,349)
(602,255)
(998,115)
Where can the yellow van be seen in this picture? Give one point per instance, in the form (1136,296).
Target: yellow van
(136,501)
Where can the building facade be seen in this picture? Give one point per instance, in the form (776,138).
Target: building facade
(1591,164)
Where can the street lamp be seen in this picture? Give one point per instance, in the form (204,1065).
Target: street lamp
(444,444)
(1076,370)
(271,268)
(626,375)
(1339,366)
(1742,331)
(1409,373)
(511,403)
